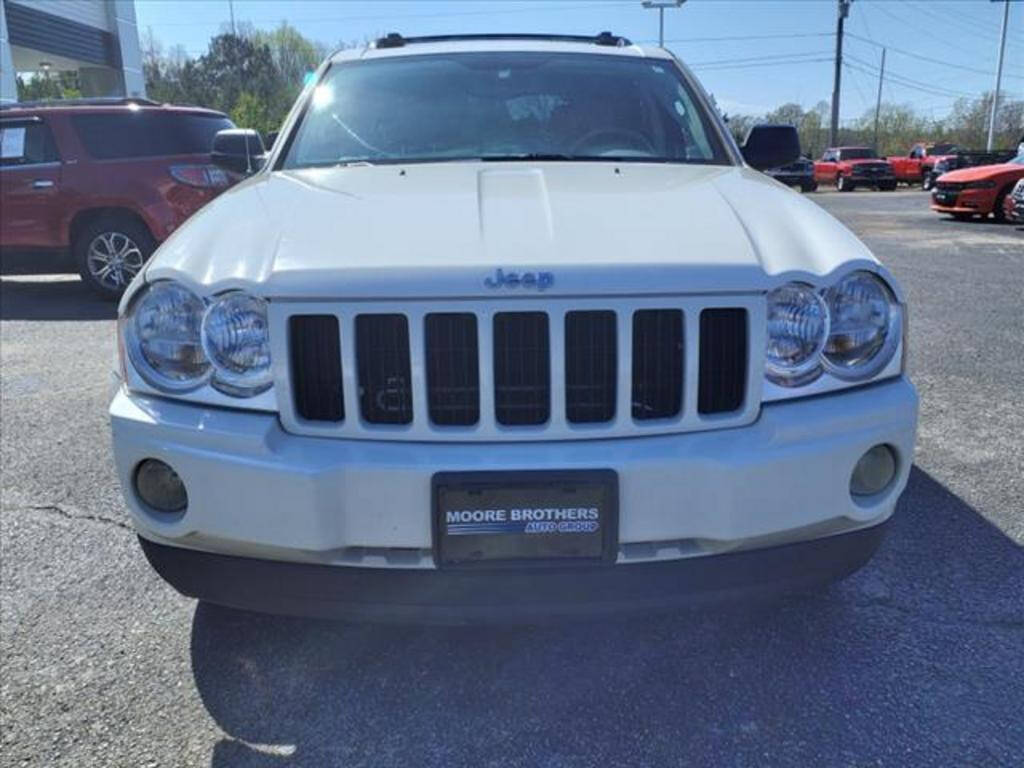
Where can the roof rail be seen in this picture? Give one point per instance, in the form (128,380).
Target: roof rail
(98,101)
(396,40)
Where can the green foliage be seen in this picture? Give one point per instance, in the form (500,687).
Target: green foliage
(899,126)
(45,85)
(237,75)
(250,111)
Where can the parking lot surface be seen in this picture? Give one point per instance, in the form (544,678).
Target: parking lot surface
(916,660)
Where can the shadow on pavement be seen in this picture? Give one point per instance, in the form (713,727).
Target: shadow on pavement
(52,299)
(917,659)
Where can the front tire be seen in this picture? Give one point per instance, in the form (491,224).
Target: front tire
(110,251)
(843,184)
(927,182)
(809,186)
(998,213)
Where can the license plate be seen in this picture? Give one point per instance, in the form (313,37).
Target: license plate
(529,518)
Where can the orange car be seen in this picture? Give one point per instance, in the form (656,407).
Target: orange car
(977,191)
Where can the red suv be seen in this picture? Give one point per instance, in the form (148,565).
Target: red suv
(107,179)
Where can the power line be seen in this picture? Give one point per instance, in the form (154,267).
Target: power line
(929,59)
(909,24)
(756,59)
(979,26)
(745,37)
(715,68)
(897,79)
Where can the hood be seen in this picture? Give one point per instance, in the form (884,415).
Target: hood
(439,230)
(983,172)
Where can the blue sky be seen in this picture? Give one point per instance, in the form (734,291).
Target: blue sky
(751,54)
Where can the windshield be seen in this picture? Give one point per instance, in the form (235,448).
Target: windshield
(857,153)
(502,106)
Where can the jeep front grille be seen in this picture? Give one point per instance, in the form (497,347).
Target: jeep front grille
(453,371)
(517,370)
(590,366)
(385,383)
(657,363)
(723,360)
(316,367)
(522,368)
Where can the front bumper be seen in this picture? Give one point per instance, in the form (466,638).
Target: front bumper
(506,595)
(872,179)
(978,201)
(256,491)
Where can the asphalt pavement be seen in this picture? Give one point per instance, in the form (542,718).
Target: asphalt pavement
(916,660)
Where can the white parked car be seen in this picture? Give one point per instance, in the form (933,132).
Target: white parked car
(509,326)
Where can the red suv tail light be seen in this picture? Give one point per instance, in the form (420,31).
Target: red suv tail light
(206,176)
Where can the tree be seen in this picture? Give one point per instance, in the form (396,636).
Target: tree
(43,86)
(294,55)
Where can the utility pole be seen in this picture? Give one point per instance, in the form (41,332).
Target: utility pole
(844,11)
(661,5)
(231,10)
(999,78)
(878,101)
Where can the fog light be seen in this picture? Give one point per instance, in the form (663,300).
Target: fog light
(160,487)
(873,472)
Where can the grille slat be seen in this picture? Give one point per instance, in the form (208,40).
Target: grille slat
(657,363)
(316,367)
(591,366)
(453,371)
(723,360)
(522,368)
(382,362)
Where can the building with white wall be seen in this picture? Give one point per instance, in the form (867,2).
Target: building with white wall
(98,39)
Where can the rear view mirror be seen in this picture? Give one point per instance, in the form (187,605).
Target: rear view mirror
(239,150)
(769,146)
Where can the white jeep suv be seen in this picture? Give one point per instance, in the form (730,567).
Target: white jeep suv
(508,326)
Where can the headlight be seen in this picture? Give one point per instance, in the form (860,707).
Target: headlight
(162,336)
(237,343)
(179,342)
(798,326)
(865,326)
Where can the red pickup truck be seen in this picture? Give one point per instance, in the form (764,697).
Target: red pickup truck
(916,165)
(852,167)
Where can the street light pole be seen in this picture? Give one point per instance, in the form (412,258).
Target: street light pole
(661,5)
(999,78)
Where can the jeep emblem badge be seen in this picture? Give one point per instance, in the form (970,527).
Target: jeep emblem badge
(502,279)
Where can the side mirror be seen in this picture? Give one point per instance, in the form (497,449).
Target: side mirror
(769,146)
(239,150)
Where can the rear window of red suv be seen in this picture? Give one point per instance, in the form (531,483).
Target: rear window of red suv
(148,134)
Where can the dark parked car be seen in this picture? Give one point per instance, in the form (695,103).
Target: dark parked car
(107,179)
(796,174)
